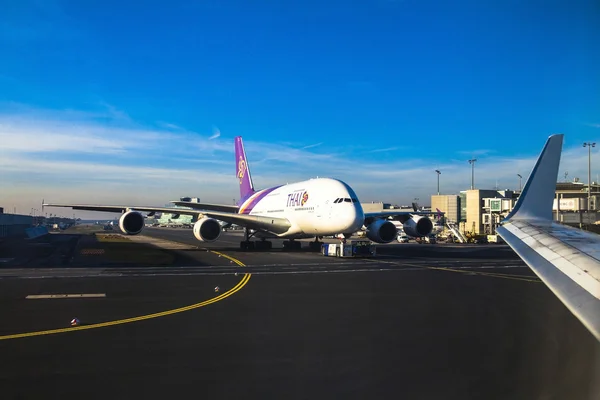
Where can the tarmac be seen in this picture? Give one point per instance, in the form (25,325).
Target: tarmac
(416,322)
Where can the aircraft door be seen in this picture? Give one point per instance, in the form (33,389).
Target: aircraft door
(317,217)
(319,211)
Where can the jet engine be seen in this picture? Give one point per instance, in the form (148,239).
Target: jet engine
(381,231)
(417,226)
(131,222)
(207,229)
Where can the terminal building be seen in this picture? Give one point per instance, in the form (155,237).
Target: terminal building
(479,211)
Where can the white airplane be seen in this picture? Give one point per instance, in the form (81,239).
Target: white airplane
(566,259)
(313,208)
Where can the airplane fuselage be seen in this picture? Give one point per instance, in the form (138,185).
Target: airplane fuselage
(316,207)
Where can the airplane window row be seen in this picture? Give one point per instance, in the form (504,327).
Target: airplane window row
(347,200)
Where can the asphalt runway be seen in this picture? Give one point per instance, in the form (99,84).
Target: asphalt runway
(417,322)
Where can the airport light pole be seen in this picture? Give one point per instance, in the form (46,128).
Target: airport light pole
(438,180)
(472,162)
(520,187)
(589,145)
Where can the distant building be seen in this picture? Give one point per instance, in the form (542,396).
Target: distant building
(480,211)
(375,206)
(571,206)
(177,219)
(449,204)
(14,225)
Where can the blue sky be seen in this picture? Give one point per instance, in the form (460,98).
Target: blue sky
(117,101)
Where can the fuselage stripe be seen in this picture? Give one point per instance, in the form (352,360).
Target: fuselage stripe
(249,204)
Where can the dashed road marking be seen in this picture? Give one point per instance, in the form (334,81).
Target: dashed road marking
(65,296)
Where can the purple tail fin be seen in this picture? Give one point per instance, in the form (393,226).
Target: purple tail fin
(242,171)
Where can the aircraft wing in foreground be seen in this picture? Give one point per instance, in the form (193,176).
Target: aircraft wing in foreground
(566,259)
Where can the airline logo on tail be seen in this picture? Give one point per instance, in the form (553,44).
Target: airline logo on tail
(241,169)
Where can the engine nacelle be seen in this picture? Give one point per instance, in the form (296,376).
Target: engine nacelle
(207,229)
(381,231)
(131,223)
(418,226)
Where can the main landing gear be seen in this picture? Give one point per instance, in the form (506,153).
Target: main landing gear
(288,245)
(248,245)
(291,245)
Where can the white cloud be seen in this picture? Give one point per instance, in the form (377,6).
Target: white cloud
(86,157)
(168,125)
(28,130)
(115,113)
(216,134)
(310,146)
(386,149)
(479,152)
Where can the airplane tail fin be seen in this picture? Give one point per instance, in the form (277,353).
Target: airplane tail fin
(535,201)
(242,171)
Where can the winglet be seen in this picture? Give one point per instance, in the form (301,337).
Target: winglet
(535,202)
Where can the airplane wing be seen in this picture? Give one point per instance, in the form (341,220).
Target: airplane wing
(566,259)
(122,209)
(270,224)
(397,213)
(207,206)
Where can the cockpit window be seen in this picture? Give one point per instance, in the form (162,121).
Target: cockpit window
(345,200)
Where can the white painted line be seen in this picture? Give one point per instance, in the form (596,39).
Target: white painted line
(65,296)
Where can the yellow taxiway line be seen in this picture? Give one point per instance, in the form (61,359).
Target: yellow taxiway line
(222,296)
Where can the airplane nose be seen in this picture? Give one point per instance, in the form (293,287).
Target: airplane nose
(349,218)
(355,218)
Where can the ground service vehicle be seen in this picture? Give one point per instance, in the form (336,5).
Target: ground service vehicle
(494,239)
(353,248)
(431,239)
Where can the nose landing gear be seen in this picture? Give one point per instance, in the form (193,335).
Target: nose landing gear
(316,245)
